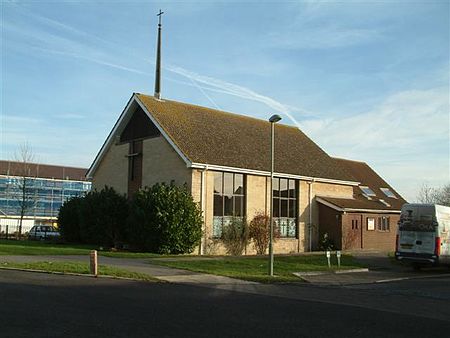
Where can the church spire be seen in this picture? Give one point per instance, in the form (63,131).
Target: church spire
(158,60)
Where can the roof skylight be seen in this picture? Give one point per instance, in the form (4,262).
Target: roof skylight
(385,203)
(388,192)
(367,191)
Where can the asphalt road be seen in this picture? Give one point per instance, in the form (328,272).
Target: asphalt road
(43,305)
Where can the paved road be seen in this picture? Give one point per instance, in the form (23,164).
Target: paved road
(43,305)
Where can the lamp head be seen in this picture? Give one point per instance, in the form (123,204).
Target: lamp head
(274,118)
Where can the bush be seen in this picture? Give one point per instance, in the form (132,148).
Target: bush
(97,218)
(326,243)
(164,219)
(103,217)
(69,220)
(259,230)
(235,236)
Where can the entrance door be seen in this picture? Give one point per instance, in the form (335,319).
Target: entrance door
(351,237)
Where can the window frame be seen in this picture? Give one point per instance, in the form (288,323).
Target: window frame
(279,197)
(388,193)
(223,218)
(367,191)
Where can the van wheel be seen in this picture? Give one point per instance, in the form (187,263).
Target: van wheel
(416,267)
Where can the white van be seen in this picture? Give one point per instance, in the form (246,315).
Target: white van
(423,236)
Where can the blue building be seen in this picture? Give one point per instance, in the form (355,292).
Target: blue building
(46,188)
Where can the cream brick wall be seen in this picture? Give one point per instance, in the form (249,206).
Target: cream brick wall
(113,169)
(161,163)
(257,188)
(318,189)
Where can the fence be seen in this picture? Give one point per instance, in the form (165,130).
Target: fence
(9,227)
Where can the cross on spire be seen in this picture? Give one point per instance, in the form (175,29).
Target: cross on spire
(159,16)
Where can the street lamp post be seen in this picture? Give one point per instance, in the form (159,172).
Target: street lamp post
(273,119)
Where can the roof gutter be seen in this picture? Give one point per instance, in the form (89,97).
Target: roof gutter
(267,173)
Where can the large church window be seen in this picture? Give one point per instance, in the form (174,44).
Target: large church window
(229,197)
(285,192)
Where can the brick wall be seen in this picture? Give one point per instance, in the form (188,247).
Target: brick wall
(113,169)
(161,163)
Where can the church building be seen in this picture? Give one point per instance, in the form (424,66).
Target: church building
(225,161)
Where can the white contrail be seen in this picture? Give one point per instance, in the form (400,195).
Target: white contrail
(208,83)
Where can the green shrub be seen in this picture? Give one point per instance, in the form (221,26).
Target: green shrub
(164,219)
(103,217)
(98,218)
(326,243)
(69,220)
(235,236)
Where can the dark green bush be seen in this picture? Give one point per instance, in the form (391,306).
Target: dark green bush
(97,218)
(326,243)
(164,219)
(69,220)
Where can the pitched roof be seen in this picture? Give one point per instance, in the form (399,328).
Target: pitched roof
(368,177)
(214,137)
(12,168)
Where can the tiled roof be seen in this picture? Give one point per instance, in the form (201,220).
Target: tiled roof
(368,177)
(215,137)
(12,168)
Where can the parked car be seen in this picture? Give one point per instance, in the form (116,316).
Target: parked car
(43,232)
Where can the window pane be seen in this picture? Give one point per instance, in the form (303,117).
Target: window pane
(292,208)
(276,187)
(291,231)
(217,227)
(276,207)
(239,184)
(227,184)
(284,208)
(218,205)
(238,206)
(228,201)
(218,183)
(284,187)
(292,193)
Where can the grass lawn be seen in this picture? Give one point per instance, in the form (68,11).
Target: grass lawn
(256,268)
(13,247)
(78,267)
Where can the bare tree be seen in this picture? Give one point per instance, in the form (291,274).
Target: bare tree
(25,181)
(443,195)
(432,195)
(426,194)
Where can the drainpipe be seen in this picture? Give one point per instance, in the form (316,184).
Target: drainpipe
(203,208)
(310,213)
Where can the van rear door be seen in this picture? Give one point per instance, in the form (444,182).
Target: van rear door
(417,241)
(418,230)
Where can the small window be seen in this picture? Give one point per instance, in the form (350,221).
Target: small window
(367,191)
(370,224)
(388,192)
(383,224)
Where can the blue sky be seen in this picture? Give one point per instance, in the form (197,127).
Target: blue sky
(365,80)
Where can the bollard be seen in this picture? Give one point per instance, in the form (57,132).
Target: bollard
(338,255)
(94,265)
(328,258)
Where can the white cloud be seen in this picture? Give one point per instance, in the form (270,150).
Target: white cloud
(406,136)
